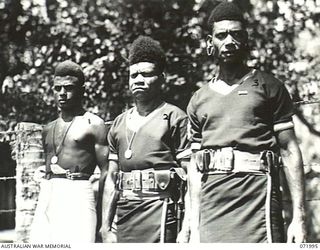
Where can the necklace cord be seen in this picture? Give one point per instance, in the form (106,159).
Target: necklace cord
(57,150)
(131,139)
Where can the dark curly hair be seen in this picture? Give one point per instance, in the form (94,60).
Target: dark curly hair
(69,68)
(146,49)
(225,11)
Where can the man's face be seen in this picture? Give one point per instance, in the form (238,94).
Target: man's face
(67,92)
(229,38)
(145,80)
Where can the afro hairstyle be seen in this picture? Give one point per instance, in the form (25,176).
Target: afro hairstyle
(146,49)
(69,68)
(225,11)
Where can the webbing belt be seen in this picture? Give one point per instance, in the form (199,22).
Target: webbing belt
(144,195)
(151,179)
(227,160)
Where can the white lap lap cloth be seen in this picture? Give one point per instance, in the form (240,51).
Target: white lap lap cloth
(66,212)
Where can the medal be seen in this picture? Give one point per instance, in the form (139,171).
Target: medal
(128,153)
(54,159)
(56,169)
(56,151)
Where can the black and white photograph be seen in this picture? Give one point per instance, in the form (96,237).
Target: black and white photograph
(159,121)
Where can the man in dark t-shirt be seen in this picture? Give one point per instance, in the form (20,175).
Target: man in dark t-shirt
(145,178)
(241,122)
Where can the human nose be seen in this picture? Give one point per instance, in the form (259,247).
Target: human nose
(230,43)
(229,39)
(139,80)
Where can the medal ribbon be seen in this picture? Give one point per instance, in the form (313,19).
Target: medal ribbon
(129,143)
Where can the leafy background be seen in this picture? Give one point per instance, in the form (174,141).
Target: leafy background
(37,34)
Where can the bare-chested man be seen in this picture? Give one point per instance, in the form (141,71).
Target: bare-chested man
(74,144)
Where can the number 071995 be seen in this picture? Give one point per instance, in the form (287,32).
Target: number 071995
(309,245)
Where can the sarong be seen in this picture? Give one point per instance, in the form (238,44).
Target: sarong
(139,221)
(240,207)
(66,212)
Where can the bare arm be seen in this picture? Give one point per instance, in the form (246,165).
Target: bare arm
(293,167)
(109,199)
(194,187)
(101,153)
(184,234)
(44,135)
(101,146)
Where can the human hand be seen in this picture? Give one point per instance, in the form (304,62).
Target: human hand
(94,178)
(107,235)
(194,236)
(39,173)
(183,236)
(297,232)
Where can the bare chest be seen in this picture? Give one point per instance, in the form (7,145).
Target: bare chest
(75,134)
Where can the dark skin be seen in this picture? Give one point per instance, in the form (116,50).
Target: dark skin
(229,39)
(144,83)
(85,144)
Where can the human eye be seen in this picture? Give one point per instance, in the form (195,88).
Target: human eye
(57,88)
(148,74)
(237,34)
(221,35)
(133,75)
(69,87)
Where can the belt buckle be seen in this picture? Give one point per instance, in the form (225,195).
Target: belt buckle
(137,183)
(69,175)
(224,159)
(126,181)
(149,181)
(218,161)
(228,158)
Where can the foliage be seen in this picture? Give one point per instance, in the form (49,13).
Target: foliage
(36,35)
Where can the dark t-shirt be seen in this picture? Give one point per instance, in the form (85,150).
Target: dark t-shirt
(155,144)
(244,118)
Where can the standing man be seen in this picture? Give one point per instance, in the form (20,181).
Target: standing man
(240,122)
(145,180)
(74,144)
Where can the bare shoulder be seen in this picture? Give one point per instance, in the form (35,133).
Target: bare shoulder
(93,119)
(95,124)
(48,127)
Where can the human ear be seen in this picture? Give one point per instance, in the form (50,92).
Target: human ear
(210,47)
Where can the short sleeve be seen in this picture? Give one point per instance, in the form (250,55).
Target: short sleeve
(180,137)
(282,105)
(113,145)
(194,127)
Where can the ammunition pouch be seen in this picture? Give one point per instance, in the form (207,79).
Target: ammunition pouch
(228,160)
(150,179)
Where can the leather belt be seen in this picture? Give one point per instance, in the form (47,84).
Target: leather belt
(68,175)
(226,160)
